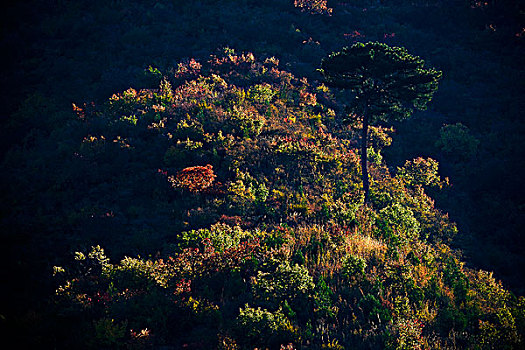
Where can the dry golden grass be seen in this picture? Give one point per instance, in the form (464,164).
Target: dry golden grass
(365,247)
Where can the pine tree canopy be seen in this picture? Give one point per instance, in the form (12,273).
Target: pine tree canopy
(387,81)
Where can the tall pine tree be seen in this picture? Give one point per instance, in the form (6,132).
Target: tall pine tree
(387,84)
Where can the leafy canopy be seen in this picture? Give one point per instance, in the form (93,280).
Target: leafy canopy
(386,81)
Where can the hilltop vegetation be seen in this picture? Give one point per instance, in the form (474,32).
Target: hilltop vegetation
(218,203)
(246,177)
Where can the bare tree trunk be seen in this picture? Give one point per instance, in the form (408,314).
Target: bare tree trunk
(364,157)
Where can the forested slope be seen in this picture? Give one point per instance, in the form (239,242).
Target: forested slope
(234,186)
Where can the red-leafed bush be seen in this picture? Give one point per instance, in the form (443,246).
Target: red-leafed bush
(194,179)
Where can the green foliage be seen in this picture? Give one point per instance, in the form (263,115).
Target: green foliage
(264,328)
(456,141)
(420,172)
(388,82)
(247,122)
(221,237)
(324,305)
(261,93)
(380,137)
(374,156)
(353,266)
(398,226)
(285,282)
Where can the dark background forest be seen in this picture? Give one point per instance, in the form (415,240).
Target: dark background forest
(58,53)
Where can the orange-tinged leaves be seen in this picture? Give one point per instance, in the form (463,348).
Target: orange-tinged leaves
(194,179)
